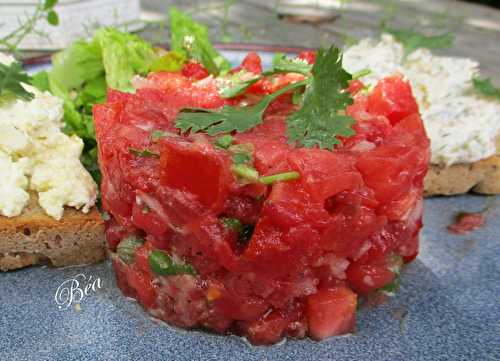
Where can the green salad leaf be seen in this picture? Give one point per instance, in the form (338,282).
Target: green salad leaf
(486,88)
(191,39)
(321,119)
(11,77)
(413,40)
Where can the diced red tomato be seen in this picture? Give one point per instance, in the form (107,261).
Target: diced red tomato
(393,98)
(195,71)
(365,278)
(331,312)
(308,55)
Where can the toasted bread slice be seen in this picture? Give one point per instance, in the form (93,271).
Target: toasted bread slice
(36,238)
(480,177)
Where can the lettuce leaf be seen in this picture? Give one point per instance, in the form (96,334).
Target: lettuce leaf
(191,39)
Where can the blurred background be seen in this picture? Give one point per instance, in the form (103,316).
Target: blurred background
(475,25)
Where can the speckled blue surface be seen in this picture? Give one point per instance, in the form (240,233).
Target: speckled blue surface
(448,308)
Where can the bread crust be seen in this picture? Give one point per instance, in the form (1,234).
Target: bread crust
(480,177)
(36,238)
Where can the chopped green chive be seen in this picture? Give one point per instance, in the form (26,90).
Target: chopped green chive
(246,172)
(242,158)
(233,224)
(361,73)
(281,177)
(224,142)
(143,153)
(145,210)
(162,264)
(392,286)
(126,249)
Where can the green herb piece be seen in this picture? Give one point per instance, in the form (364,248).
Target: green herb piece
(172,61)
(145,210)
(228,118)
(413,40)
(191,39)
(298,97)
(486,88)
(392,286)
(127,247)
(281,177)
(49,4)
(143,153)
(284,64)
(322,117)
(238,87)
(245,172)
(156,135)
(162,264)
(11,77)
(395,263)
(232,224)
(361,73)
(242,158)
(224,142)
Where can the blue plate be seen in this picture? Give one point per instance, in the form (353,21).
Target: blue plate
(448,308)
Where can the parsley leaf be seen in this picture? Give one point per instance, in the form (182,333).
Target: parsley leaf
(413,40)
(191,39)
(486,88)
(228,118)
(11,77)
(284,64)
(321,118)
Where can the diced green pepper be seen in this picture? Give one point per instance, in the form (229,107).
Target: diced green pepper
(162,264)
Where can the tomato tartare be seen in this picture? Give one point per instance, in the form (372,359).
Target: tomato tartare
(248,232)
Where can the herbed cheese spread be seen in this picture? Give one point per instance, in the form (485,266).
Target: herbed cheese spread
(462,126)
(36,156)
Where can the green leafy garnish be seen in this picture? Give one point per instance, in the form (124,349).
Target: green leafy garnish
(11,77)
(413,40)
(242,158)
(322,116)
(224,141)
(162,264)
(238,87)
(143,153)
(127,247)
(486,88)
(228,118)
(232,224)
(156,135)
(191,39)
(284,64)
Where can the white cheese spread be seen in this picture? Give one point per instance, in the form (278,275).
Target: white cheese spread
(36,156)
(462,126)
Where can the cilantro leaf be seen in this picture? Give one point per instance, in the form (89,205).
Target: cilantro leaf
(413,40)
(228,118)
(191,39)
(11,77)
(486,88)
(321,118)
(238,87)
(284,64)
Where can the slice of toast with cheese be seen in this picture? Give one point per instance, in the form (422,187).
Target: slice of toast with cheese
(36,238)
(480,177)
